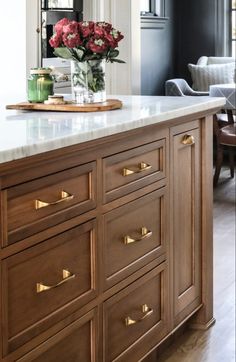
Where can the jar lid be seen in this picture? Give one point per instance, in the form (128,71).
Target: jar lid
(40,71)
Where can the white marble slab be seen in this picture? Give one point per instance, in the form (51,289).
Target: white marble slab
(23,134)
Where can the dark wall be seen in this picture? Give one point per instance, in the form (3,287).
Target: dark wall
(195,33)
(157,52)
(189,33)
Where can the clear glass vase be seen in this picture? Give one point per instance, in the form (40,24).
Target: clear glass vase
(88,81)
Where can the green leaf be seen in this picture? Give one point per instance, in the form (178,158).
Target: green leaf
(83,67)
(64,53)
(117,61)
(92,57)
(79,53)
(113,53)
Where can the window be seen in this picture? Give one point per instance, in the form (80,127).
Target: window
(152,8)
(233,28)
(145,6)
(57,4)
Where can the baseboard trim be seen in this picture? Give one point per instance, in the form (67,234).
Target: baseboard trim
(202,327)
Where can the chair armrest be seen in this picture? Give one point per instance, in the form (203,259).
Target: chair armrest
(200,93)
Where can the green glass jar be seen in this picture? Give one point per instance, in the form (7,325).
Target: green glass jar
(40,85)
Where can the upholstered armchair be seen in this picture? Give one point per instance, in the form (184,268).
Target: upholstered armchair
(204,60)
(212,70)
(207,71)
(179,87)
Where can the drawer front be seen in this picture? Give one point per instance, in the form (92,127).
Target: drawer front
(38,204)
(130,315)
(134,234)
(133,169)
(76,343)
(44,279)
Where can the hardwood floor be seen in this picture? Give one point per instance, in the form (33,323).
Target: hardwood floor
(218,343)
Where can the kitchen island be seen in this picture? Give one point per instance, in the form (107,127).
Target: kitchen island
(106,229)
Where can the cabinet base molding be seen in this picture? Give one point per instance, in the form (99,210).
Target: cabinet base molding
(172,336)
(202,327)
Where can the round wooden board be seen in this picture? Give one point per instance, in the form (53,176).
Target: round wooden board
(109,105)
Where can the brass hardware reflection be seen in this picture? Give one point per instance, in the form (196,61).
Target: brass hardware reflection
(65,196)
(147,313)
(145,233)
(141,167)
(188,140)
(66,275)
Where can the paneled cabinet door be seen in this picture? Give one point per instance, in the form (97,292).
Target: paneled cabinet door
(186,236)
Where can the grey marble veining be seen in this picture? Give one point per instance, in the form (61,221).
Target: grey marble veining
(23,134)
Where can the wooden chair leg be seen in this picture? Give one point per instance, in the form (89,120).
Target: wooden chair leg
(219,161)
(231,160)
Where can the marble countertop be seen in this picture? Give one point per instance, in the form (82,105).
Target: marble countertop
(24,134)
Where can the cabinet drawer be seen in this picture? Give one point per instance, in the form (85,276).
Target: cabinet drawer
(75,343)
(44,279)
(134,234)
(133,169)
(136,318)
(39,204)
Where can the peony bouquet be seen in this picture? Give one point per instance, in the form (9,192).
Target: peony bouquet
(86,40)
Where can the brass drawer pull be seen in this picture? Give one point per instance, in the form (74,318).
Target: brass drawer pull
(147,313)
(145,234)
(66,275)
(65,196)
(188,140)
(141,167)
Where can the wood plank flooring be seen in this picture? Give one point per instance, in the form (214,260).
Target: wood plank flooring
(218,343)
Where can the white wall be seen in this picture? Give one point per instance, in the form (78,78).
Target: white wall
(125,16)
(33,38)
(13,47)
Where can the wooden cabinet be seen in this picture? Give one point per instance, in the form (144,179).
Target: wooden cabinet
(43,279)
(47,201)
(76,343)
(103,246)
(186,183)
(134,234)
(127,171)
(136,318)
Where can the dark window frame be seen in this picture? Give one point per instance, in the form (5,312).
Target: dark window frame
(153,9)
(232,39)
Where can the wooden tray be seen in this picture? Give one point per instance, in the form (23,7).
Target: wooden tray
(109,105)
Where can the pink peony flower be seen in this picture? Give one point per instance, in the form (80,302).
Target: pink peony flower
(60,24)
(106,26)
(71,27)
(114,37)
(111,41)
(116,34)
(99,31)
(89,37)
(86,28)
(71,40)
(97,45)
(55,41)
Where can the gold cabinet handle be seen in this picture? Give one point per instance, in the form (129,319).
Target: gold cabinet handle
(147,313)
(66,275)
(188,139)
(144,232)
(141,167)
(65,196)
